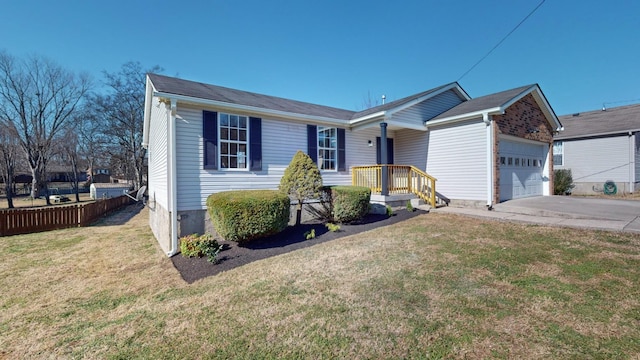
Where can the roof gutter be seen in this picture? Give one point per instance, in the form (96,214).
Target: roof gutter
(618,132)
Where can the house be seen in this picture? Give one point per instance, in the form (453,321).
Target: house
(100,175)
(600,146)
(203,139)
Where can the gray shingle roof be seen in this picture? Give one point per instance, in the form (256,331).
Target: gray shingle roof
(483,102)
(218,93)
(614,120)
(396,103)
(199,90)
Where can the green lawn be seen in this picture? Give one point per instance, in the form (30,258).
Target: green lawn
(436,286)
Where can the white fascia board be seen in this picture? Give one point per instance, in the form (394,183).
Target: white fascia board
(467,116)
(380,115)
(148,100)
(586,136)
(406,125)
(254,110)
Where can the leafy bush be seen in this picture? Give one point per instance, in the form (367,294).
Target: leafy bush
(562,182)
(350,203)
(195,245)
(246,215)
(409,206)
(311,234)
(342,204)
(389,210)
(333,227)
(301,180)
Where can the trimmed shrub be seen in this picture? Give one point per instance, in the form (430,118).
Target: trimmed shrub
(341,204)
(247,215)
(350,203)
(562,182)
(196,246)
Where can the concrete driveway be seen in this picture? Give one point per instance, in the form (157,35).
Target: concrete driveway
(604,214)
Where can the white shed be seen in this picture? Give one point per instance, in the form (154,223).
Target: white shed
(107,190)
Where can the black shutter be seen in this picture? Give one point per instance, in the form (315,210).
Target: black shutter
(210,139)
(255,144)
(342,166)
(312,142)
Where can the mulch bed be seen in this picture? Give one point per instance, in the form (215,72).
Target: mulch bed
(292,238)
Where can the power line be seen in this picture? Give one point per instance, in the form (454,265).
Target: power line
(501,41)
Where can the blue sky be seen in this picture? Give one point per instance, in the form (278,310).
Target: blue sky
(582,53)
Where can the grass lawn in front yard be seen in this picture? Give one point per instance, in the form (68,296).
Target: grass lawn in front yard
(434,286)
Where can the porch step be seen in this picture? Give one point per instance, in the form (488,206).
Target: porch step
(399,201)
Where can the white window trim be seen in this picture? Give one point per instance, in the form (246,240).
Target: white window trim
(246,156)
(561,154)
(335,150)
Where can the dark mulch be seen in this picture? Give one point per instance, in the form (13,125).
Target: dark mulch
(292,238)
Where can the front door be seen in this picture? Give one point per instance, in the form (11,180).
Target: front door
(389,151)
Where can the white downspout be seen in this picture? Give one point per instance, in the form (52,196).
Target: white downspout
(487,120)
(173,180)
(632,169)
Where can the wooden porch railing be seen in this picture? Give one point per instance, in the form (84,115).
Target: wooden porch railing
(403,179)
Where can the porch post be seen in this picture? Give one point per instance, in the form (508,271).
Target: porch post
(383,159)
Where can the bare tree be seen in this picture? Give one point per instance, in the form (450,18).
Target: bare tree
(9,148)
(69,150)
(123,111)
(38,97)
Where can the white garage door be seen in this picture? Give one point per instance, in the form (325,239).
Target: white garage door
(521,167)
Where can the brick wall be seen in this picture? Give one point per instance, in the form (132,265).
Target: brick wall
(525,120)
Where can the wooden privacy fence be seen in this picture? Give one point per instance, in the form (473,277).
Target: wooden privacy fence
(25,221)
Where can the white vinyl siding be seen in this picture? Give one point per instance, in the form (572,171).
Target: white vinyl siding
(157,152)
(280,141)
(411,148)
(457,158)
(597,160)
(419,113)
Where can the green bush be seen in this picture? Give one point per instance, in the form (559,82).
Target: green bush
(562,182)
(342,204)
(350,203)
(301,181)
(195,245)
(246,215)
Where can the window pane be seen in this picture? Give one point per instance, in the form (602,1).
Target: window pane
(224,162)
(243,122)
(233,162)
(243,135)
(242,147)
(224,134)
(234,148)
(233,121)
(224,148)
(233,134)
(224,120)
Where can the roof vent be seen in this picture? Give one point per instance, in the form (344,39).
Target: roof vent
(383,99)
(576,114)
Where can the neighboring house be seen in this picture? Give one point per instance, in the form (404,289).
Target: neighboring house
(63,173)
(600,146)
(100,175)
(203,139)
